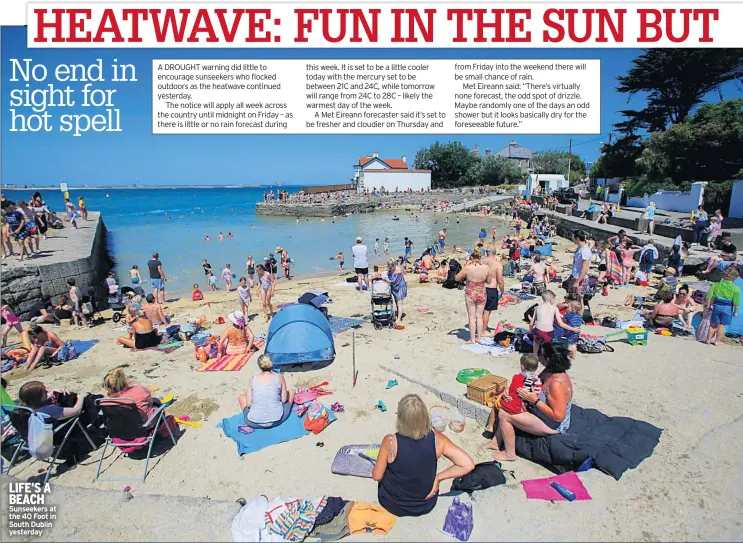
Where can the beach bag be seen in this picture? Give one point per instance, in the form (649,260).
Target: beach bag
(174,331)
(88,308)
(459,520)
(305,395)
(593,345)
(529,313)
(703,326)
(484,475)
(67,352)
(609,322)
(40,437)
(316,419)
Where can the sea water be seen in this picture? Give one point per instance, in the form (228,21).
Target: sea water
(175,223)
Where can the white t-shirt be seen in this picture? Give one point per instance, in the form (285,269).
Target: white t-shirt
(359,256)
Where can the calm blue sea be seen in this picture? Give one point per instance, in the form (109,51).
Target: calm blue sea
(138,224)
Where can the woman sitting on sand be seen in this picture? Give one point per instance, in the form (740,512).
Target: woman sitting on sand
(45,344)
(236,339)
(142,333)
(548,412)
(664,313)
(687,305)
(476,275)
(407,462)
(267,402)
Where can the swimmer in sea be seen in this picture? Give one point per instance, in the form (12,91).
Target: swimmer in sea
(207,238)
(182,217)
(221,237)
(170,218)
(229,235)
(251,226)
(322,219)
(297,221)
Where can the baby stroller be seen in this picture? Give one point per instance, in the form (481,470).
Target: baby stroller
(89,305)
(450,282)
(382,306)
(117,301)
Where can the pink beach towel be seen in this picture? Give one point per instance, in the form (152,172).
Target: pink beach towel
(540,489)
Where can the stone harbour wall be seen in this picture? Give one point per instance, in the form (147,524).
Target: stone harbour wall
(24,286)
(312,210)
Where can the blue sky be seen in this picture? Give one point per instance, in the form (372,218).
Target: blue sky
(136,155)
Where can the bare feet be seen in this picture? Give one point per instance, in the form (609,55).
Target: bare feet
(489,446)
(501,456)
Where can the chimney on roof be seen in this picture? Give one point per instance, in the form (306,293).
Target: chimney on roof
(513,144)
(375,154)
(487,151)
(476,149)
(404,159)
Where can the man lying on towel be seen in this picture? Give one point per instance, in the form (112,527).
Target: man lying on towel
(267,402)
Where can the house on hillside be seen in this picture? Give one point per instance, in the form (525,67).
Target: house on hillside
(392,174)
(545,183)
(523,157)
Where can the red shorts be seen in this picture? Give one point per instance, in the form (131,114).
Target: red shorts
(542,336)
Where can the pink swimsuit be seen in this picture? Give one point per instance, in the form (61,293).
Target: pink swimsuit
(10,318)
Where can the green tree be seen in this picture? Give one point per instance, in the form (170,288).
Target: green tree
(448,162)
(492,170)
(556,162)
(675,81)
(620,158)
(707,146)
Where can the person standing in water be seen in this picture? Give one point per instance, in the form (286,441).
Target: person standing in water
(134,276)
(227,278)
(376,248)
(386,246)
(340,259)
(157,278)
(250,269)
(442,239)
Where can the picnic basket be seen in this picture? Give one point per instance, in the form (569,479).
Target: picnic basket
(485,389)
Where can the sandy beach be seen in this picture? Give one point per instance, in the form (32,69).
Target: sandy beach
(690,489)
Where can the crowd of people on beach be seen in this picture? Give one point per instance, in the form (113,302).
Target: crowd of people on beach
(406,466)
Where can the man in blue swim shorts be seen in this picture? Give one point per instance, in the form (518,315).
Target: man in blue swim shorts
(157,278)
(442,239)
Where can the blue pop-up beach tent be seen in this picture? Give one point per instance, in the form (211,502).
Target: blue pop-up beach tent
(300,334)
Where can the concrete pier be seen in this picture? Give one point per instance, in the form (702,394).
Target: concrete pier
(81,254)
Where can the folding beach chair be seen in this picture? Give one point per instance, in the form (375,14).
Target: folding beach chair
(124,423)
(19,419)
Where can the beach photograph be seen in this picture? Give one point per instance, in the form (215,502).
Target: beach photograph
(399,337)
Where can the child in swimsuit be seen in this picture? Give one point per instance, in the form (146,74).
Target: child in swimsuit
(197,295)
(212,281)
(243,294)
(339,257)
(527,379)
(250,268)
(134,275)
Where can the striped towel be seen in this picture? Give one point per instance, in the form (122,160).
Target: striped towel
(230,362)
(615,269)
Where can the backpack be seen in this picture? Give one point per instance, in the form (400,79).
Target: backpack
(485,475)
(703,327)
(454,268)
(593,345)
(40,436)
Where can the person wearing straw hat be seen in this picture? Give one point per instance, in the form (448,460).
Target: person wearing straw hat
(236,339)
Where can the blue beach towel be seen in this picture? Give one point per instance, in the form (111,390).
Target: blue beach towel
(83,346)
(341,324)
(293,428)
